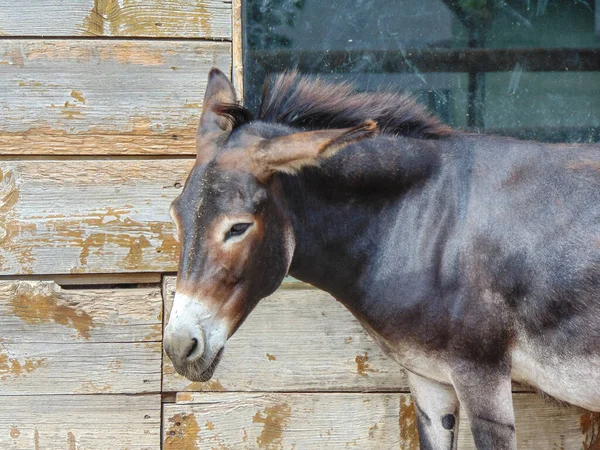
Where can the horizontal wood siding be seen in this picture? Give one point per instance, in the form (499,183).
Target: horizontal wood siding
(108,97)
(42,312)
(77,422)
(79,342)
(208,19)
(67,217)
(99,101)
(347,420)
(93,368)
(296,340)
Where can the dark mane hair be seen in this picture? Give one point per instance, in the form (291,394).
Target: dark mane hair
(311,103)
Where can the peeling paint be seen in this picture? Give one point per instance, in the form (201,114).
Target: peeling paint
(183,433)
(207,386)
(40,306)
(209,425)
(115,366)
(137,246)
(8,191)
(36,439)
(590,428)
(271,357)
(71,441)
(136,249)
(29,84)
(78,95)
(409,435)
(70,113)
(13,367)
(104,12)
(89,387)
(14,433)
(362,365)
(132,18)
(156,346)
(274,418)
(185,397)
(157,330)
(9,200)
(372,430)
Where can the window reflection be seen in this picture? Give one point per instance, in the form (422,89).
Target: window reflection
(524,68)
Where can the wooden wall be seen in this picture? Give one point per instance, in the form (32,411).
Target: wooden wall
(99,101)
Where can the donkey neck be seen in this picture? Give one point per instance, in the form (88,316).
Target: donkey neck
(341,210)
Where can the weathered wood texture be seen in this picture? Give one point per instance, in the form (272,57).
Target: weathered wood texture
(108,97)
(347,420)
(210,19)
(38,312)
(57,341)
(110,279)
(237,48)
(297,339)
(61,217)
(93,368)
(90,422)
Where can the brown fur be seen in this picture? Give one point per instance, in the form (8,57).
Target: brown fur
(293,152)
(309,102)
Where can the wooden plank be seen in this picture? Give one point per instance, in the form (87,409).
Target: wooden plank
(61,217)
(57,341)
(103,279)
(347,420)
(79,368)
(38,312)
(144,18)
(103,97)
(278,421)
(237,75)
(91,422)
(297,339)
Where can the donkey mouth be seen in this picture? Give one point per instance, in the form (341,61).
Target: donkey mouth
(193,374)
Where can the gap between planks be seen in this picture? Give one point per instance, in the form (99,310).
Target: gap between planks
(112,38)
(87,394)
(96,157)
(95,281)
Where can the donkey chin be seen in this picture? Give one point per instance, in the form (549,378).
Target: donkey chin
(198,370)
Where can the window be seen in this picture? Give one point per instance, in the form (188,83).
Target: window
(523,68)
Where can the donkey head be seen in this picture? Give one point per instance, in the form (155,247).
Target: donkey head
(236,238)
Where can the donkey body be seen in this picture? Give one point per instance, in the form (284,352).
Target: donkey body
(472,260)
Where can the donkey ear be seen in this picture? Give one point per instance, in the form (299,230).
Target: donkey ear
(291,153)
(214,126)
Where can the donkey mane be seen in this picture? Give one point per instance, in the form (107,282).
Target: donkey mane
(310,103)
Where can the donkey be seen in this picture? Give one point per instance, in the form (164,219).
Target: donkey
(472,260)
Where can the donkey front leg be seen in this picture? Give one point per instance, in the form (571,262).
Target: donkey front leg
(486,397)
(437,409)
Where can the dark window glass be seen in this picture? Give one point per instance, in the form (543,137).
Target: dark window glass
(524,68)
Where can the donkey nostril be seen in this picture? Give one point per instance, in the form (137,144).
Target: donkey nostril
(193,347)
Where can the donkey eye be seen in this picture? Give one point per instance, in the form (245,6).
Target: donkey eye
(237,230)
